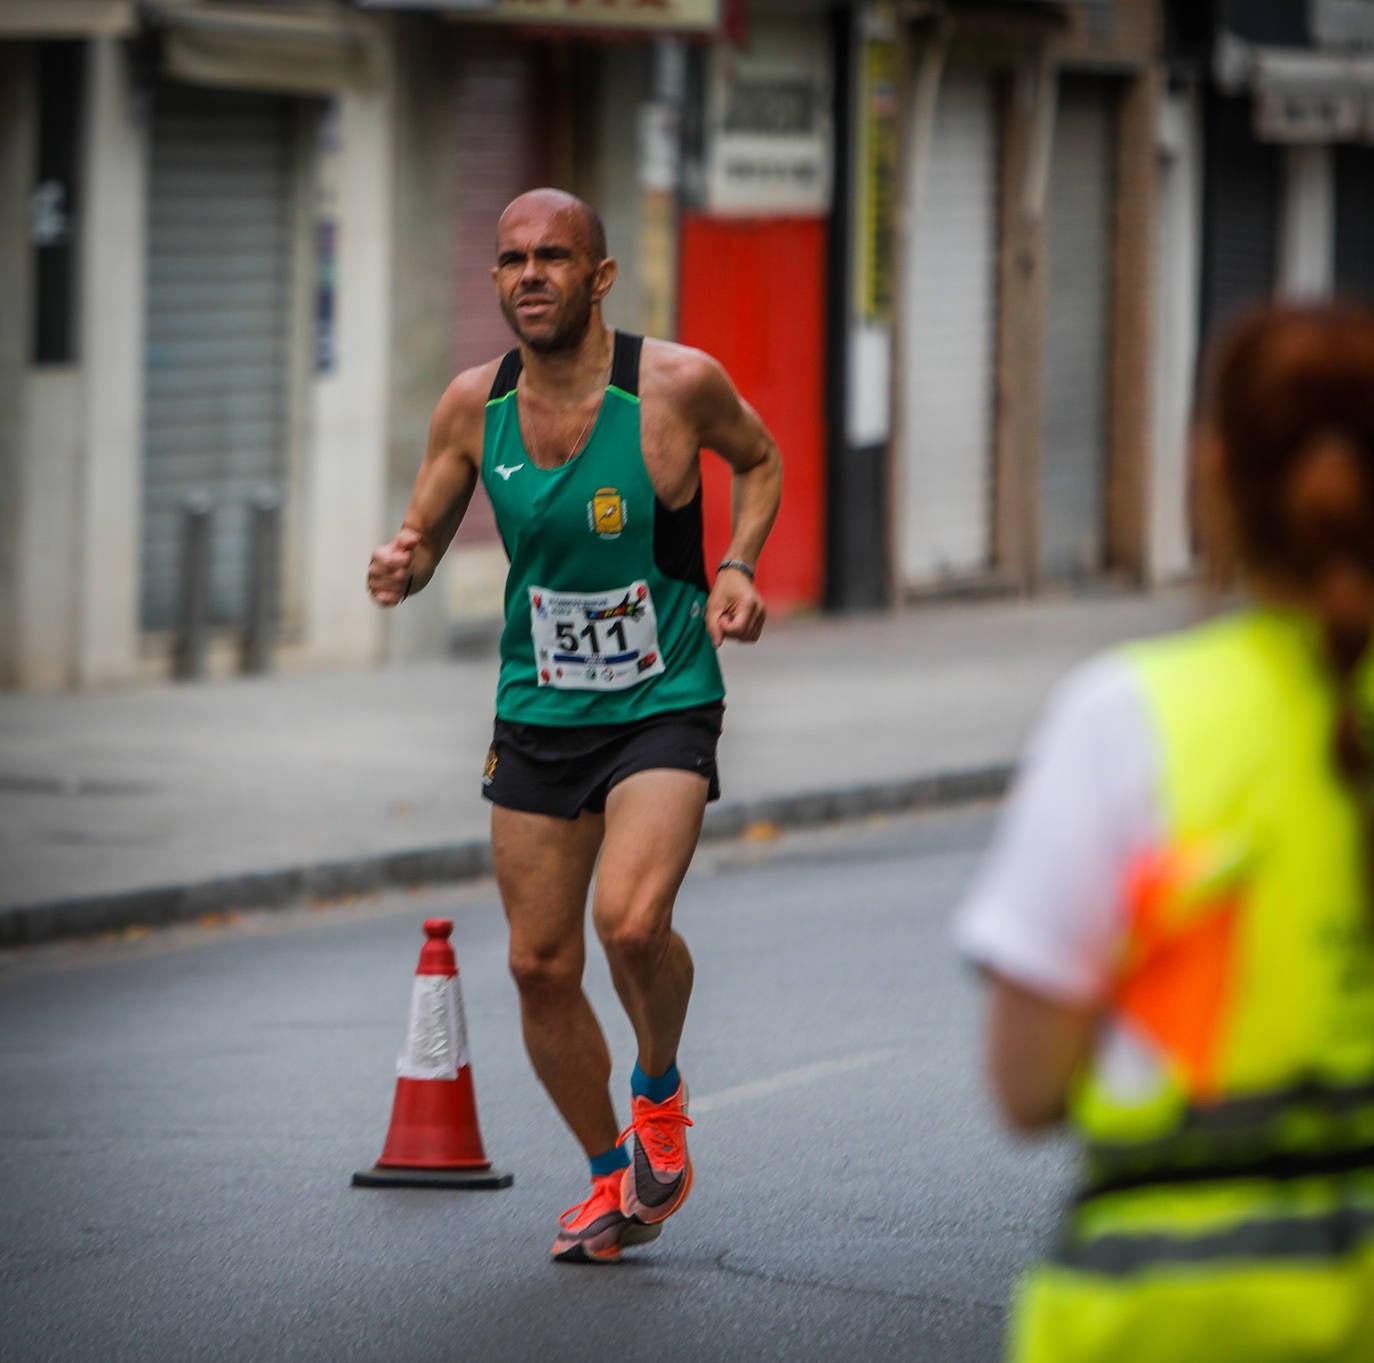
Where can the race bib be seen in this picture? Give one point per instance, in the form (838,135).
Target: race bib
(595,641)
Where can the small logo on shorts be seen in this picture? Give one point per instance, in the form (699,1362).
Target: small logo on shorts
(606,512)
(489,771)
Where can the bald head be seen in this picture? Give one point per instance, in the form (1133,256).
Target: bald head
(551,270)
(553,204)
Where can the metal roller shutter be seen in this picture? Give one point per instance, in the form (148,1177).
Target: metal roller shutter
(216,369)
(1355,221)
(1240,213)
(1077,350)
(949,359)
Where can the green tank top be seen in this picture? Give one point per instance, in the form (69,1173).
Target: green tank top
(605,599)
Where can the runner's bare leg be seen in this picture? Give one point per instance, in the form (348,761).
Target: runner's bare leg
(543,869)
(653,821)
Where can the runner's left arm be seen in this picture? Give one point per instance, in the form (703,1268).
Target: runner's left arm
(727,424)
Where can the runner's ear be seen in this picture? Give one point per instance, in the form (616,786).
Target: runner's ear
(604,277)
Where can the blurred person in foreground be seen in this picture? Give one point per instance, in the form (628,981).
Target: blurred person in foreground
(1177,915)
(610,697)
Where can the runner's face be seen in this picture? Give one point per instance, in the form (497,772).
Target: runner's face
(545,277)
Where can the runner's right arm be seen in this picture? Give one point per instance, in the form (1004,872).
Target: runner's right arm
(443,488)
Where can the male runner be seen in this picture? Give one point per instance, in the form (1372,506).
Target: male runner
(609,702)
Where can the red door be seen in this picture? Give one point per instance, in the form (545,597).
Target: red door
(753,295)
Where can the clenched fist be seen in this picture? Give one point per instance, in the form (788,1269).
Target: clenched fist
(391,568)
(734,609)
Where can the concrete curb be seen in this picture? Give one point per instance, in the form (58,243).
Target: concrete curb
(161,905)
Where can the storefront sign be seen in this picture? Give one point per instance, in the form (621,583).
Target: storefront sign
(1313,96)
(769,136)
(1341,23)
(702,16)
(67,18)
(326,283)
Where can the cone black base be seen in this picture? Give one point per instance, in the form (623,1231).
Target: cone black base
(378,1177)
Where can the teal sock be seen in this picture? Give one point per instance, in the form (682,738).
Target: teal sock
(608,1161)
(656,1088)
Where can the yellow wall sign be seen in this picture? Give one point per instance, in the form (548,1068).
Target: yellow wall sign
(681,15)
(878,187)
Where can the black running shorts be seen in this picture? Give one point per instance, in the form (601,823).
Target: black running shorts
(549,769)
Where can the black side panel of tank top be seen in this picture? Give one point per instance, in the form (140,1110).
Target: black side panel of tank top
(625,362)
(677,534)
(506,375)
(677,542)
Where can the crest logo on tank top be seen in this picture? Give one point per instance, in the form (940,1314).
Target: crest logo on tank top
(607,513)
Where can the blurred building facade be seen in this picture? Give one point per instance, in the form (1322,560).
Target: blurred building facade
(1287,105)
(246,244)
(1266,182)
(960,255)
(998,303)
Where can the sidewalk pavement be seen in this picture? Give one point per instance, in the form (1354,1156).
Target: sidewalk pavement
(169,802)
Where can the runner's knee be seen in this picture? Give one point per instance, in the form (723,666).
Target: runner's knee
(543,976)
(636,936)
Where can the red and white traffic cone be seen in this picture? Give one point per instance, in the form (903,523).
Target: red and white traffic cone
(434,1141)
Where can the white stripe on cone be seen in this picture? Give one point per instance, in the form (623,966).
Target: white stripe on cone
(436,1045)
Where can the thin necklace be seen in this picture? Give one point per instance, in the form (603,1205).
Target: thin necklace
(586,426)
(577,444)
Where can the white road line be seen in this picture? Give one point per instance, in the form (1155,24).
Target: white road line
(803,1074)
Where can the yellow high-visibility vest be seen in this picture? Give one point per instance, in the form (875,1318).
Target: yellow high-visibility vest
(1227,1210)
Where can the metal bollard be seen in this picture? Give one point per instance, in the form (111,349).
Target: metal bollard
(193,604)
(264,510)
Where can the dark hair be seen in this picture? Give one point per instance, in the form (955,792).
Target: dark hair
(1290,395)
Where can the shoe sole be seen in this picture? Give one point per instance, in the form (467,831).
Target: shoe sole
(579,1254)
(636,1233)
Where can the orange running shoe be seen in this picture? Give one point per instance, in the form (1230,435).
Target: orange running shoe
(660,1174)
(593,1231)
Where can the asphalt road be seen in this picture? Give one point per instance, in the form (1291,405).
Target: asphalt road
(183,1112)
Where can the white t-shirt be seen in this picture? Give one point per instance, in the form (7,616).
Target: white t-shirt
(1045,909)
